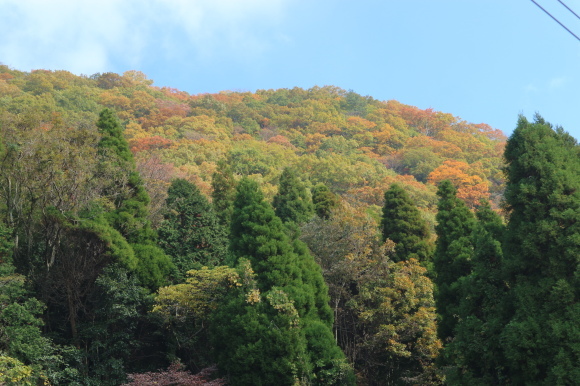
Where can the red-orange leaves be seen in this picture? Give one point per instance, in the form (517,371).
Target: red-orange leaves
(149,143)
(470,187)
(281,140)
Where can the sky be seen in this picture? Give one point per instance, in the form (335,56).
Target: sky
(483,61)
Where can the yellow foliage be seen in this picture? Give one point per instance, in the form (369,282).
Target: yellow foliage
(253,296)
(14,372)
(199,295)
(280,301)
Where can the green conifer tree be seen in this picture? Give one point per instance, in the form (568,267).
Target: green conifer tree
(475,353)
(453,253)
(224,192)
(129,215)
(292,203)
(323,200)
(190,232)
(542,255)
(294,298)
(402,223)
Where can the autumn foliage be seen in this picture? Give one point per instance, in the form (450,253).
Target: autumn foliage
(87,165)
(471,188)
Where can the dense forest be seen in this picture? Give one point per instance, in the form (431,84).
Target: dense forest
(281,237)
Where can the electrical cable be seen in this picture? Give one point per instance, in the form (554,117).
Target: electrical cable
(557,21)
(569,9)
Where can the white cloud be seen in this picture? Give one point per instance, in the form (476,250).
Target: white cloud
(557,82)
(93,36)
(530,88)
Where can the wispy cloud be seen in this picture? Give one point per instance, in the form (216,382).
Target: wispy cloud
(93,36)
(557,82)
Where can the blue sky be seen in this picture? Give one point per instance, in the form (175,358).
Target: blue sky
(484,61)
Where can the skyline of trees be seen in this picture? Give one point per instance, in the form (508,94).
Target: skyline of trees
(296,236)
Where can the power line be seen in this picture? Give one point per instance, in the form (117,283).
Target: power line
(569,9)
(556,20)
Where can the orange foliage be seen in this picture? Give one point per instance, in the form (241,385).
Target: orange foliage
(313,141)
(324,128)
(227,97)
(384,134)
(356,126)
(490,132)
(171,108)
(470,187)
(369,152)
(443,148)
(466,142)
(174,93)
(149,143)
(243,137)
(281,140)
(154,113)
(375,195)
(265,122)
(361,123)
(428,121)
(190,173)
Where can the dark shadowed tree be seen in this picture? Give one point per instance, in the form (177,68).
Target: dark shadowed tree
(453,254)
(323,200)
(190,232)
(475,355)
(403,224)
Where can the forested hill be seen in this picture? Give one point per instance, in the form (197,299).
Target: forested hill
(347,240)
(356,145)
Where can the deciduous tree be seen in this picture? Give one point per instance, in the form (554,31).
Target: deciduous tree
(385,320)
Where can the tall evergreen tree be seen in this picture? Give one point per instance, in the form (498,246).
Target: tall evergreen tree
(127,192)
(190,232)
(129,215)
(224,192)
(292,203)
(453,253)
(402,223)
(323,200)
(542,255)
(293,297)
(475,353)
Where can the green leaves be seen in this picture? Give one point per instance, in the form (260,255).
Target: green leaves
(402,223)
(190,232)
(129,216)
(453,253)
(292,203)
(277,330)
(541,254)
